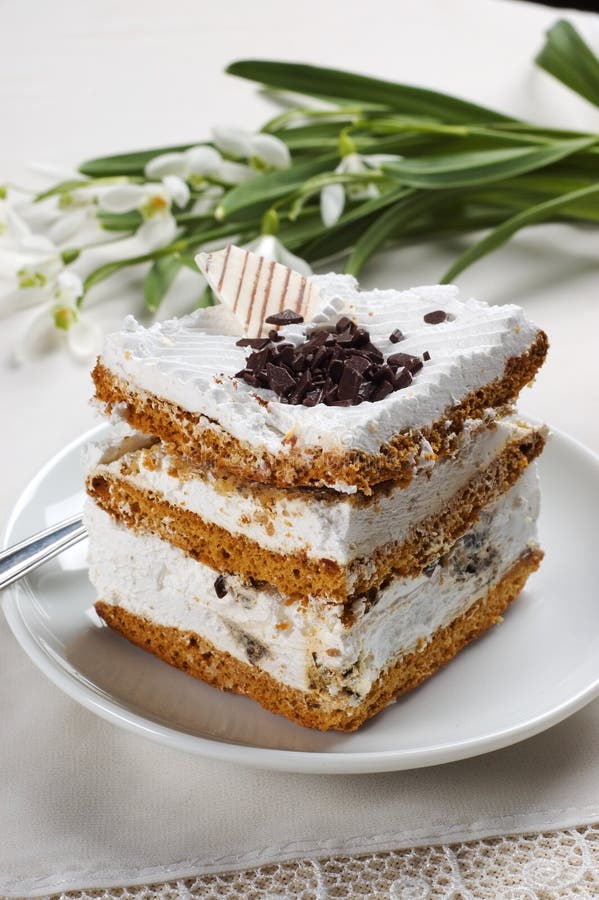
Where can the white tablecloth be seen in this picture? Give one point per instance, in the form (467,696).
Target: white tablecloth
(79,797)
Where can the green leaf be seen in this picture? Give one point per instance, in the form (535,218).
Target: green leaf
(64,187)
(127,221)
(500,235)
(256,195)
(159,279)
(315,136)
(480,167)
(127,163)
(399,214)
(340,85)
(568,58)
(530,190)
(264,189)
(324,242)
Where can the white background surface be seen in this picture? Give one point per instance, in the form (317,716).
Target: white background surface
(80,79)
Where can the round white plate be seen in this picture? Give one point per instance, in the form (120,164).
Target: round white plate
(539,666)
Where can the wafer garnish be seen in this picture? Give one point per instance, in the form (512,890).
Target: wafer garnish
(258,290)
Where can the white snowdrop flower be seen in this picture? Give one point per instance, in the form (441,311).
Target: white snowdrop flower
(333,196)
(73,217)
(270,247)
(154,201)
(29,265)
(192,165)
(207,201)
(266,149)
(59,317)
(197,165)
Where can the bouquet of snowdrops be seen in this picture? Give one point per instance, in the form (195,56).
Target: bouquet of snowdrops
(359,164)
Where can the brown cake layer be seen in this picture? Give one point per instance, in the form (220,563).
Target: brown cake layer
(298,575)
(318,709)
(207,444)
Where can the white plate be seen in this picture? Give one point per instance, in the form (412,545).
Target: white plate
(525,675)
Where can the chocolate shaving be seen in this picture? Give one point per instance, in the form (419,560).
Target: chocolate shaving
(426,356)
(396,336)
(257,361)
(285,317)
(255,343)
(350,383)
(435,317)
(337,367)
(279,379)
(382,391)
(403,379)
(345,324)
(412,363)
(220,587)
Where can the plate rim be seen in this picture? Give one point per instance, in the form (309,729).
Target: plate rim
(269,758)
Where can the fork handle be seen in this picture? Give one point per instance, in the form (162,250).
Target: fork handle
(27,555)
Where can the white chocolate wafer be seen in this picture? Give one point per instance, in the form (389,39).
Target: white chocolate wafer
(255,288)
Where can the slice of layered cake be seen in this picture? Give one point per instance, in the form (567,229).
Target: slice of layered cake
(317,495)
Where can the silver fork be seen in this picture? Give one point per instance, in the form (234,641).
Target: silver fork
(27,555)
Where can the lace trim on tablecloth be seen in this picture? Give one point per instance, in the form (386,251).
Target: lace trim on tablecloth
(560,865)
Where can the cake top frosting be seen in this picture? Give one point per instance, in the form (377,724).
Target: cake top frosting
(196,361)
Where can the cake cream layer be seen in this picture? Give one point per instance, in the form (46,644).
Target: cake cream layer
(176,380)
(326,650)
(310,542)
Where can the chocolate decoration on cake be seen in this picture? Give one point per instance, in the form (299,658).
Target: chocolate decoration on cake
(339,366)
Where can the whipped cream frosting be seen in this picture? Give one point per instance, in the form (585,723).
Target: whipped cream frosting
(307,521)
(191,362)
(151,578)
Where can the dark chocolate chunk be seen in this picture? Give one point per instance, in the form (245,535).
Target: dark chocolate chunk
(345,324)
(367,389)
(285,317)
(301,388)
(358,363)
(396,336)
(433,318)
(313,397)
(274,336)
(426,356)
(279,379)
(402,379)
(257,360)
(349,384)
(372,352)
(382,391)
(335,369)
(361,337)
(255,343)
(220,587)
(285,354)
(316,340)
(322,355)
(411,363)
(339,367)
(346,338)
